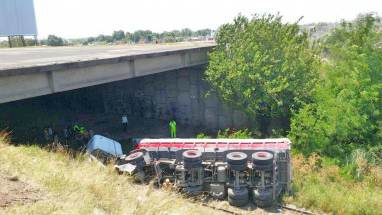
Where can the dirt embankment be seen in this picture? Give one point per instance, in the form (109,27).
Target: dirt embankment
(14,191)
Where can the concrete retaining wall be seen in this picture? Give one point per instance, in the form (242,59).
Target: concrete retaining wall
(179,94)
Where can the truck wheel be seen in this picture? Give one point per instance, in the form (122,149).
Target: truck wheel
(136,156)
(137,159)
(140,177)
(263,198)
(264,204)
(192,155)
(262,158)
(237,161)
(192,158)
(238,197)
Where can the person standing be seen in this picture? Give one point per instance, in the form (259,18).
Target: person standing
(50,133)
(66,135)
(125,122)
(172,126)
(46,134)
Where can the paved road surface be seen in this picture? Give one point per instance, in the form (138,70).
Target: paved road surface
(11,58)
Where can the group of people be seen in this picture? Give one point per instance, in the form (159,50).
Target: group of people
(70,135)
(79,133)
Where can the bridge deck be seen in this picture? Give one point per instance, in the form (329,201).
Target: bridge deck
(15,58)
(36,71)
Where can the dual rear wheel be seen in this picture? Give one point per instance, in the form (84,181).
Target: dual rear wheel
(238,197)
(237,161)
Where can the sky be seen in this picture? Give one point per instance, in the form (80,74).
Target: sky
(83,18)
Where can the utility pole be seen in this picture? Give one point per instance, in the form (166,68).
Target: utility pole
(9,42)
(35,40)
(22,40)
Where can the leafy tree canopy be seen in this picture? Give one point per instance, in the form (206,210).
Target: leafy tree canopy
(264,67)
(54,40)
(118,35)
(347,105)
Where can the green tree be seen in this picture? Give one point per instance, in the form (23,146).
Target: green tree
(142,36)
(105,38)
(264,67)
(168,36)
(128,36)
(53,40)
(347,105)
(186,32)
(203,32)
(118,35)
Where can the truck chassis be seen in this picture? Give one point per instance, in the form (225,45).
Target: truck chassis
(242,170)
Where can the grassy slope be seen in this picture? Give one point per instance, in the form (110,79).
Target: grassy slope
(324,187)
(76,186)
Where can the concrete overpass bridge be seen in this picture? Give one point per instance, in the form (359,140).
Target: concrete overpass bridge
(153,81)
(31,72)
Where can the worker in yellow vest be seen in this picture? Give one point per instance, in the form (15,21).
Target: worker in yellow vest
(172,126)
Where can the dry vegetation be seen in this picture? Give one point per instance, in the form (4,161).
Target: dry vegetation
(76,186)
(327,188)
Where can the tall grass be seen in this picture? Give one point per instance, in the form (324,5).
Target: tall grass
(320,184)
(77,186)
(327,187)
(73,185)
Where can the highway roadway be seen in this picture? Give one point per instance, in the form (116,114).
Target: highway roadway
(14,58)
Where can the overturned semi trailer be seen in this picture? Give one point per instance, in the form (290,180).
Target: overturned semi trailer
(241,170)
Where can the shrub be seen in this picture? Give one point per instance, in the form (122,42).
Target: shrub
(202,136)
(53,40)
(235,134)
(322,186)
(263,67)
(346,110)
(230,134)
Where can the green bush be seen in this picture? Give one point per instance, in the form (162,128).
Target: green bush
(263,67)
(346,110)
(229,134)
(202,136)
(318,183)
(53,40)
(235,134)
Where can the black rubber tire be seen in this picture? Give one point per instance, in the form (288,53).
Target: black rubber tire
(135,156)
(192,164)
(236,158)
(238,197)
(264,204)
(192,159)
(238,194)
(263,198)
(237,161)
(237,203)
(262,158)
(192,155)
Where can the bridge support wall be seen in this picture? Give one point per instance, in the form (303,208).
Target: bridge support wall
(179,94)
